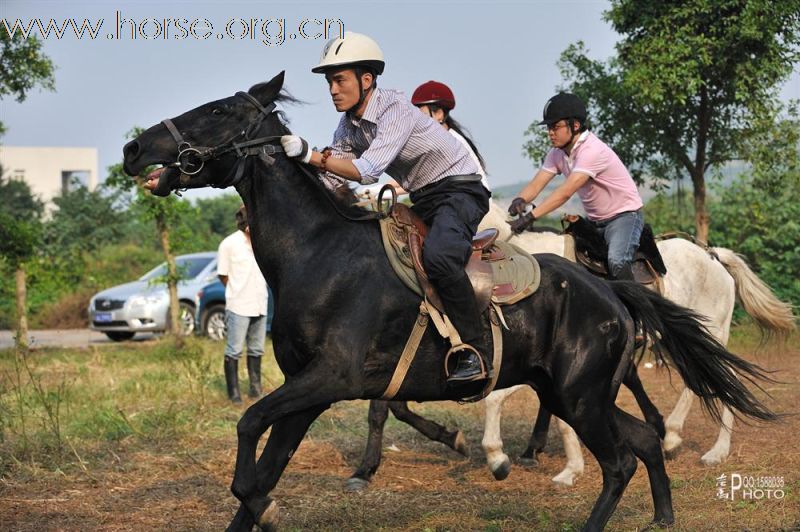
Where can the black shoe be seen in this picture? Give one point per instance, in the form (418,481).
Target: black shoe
(468,369)
(232,379)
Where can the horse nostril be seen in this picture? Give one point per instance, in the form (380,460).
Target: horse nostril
(131,149)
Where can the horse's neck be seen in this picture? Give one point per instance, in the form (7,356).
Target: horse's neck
(292,220)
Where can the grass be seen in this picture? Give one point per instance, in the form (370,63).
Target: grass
(147,429)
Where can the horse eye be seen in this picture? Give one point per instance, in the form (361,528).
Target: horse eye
(216,111)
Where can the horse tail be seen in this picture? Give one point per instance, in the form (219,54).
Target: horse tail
(770,313)
(707,368)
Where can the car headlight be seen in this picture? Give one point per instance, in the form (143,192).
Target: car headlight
(143,301)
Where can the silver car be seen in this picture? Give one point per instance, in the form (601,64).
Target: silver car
(143,306)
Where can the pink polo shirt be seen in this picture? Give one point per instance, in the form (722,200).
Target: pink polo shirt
(610,189)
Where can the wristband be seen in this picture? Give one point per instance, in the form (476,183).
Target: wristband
(325,154)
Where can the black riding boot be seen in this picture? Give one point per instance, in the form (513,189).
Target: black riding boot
(625,273)
(232,379)
(254,374)
(461,307)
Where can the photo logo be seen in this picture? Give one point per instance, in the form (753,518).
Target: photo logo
(743,487)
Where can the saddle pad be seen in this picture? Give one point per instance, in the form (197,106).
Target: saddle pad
(515,277)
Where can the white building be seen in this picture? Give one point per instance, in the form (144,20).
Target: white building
(49,171)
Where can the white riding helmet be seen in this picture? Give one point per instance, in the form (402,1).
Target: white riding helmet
(353,49)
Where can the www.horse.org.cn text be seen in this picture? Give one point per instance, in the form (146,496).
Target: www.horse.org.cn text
(268,31)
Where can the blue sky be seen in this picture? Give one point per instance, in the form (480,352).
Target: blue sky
(498,57)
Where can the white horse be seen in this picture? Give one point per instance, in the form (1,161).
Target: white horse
(694,280)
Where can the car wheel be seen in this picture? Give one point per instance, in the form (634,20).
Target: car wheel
(214,322)
(186,316)
(119,336)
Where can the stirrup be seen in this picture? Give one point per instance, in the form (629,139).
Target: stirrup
(483,375)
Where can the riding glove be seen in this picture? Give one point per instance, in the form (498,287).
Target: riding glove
(518,206)
(522,223)
(296,147)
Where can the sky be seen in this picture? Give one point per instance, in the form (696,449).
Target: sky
(500,59)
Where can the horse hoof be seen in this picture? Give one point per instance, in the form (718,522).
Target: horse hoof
(356,484)
(502,470)
(712,459)
(565,479)
(672,454)
(460,444)
(268,521)
(529,461)
(659,524)
(671,443)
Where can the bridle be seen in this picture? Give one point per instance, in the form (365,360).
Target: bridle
(191,159)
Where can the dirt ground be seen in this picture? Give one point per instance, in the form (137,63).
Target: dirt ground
(421,485)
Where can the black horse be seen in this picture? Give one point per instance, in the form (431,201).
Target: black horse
(342,316)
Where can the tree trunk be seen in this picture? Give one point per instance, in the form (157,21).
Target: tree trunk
(172,280)
(701,218)
(22,309)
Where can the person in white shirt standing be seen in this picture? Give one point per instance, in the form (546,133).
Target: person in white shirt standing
(245,307)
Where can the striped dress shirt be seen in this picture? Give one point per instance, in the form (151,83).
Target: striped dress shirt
(394,137)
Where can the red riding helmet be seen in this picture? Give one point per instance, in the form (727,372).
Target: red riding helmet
(435,93)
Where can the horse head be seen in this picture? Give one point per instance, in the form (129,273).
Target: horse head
(208,145)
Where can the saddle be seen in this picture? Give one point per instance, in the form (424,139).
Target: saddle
(500,273)
(592,253)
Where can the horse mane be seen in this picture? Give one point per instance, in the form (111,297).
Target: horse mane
(343,198)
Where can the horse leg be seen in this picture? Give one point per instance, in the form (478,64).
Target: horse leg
(452,438)
(646,445)
(492,443)
(538,437)
(572,448)
(286,435)
(651,414)
(719,452)
(675,420)
(378,412)
(306,391)
(595,422)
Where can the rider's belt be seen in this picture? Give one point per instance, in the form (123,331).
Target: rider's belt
(465,178)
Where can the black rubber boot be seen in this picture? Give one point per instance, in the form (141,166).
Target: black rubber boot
(254,374)
(460,306)
(232,379)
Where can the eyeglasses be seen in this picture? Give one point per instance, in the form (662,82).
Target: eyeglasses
(556,126)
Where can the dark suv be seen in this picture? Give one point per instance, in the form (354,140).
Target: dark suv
(210,314)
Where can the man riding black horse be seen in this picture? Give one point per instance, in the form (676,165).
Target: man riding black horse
(381,131)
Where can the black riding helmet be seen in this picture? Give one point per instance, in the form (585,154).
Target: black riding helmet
(563,106)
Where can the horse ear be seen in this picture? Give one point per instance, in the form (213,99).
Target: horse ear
(268,91)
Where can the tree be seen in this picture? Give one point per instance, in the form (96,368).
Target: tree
(689,82)
(20,237)
(23,66)
(165,213)
(759,215)
(83,221)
